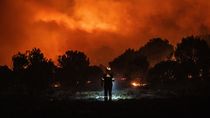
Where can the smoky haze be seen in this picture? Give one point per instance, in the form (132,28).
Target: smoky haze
(101,28)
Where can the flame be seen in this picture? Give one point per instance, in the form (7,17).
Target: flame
(56,85)
(88,82)
(136,84)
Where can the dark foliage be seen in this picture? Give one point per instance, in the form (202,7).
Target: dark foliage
(33,72)
(194,56)
(76,72)
(157,50)
(6,76)
(189,70)
(130,64)
(163,73)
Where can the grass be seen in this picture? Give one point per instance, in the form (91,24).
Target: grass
(37,107)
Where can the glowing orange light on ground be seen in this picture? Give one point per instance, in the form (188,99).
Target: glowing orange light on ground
(136,84)
(88,82)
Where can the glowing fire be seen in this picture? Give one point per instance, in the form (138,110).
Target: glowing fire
(88,82)
(136,84)
(56,85)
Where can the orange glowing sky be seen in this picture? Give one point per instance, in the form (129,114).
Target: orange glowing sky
(101,28)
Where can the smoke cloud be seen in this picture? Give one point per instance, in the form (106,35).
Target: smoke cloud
(101,28)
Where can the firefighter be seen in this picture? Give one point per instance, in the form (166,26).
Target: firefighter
(107,84)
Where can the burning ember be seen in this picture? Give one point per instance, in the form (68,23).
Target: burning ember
(135,84)
(88,82)
(56,85)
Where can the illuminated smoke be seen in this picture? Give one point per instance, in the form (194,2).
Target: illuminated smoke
(101,28)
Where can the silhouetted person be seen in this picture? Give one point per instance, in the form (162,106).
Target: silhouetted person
(107,83)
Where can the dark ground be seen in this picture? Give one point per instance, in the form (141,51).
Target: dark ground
(31,107)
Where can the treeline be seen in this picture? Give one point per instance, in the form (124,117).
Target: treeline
(136,63)
(33,74)
(185,67)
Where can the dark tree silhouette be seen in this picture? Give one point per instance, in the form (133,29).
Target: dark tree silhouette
(35,56)
(157,50)
(33,72)
(193,54)
(205,37)
(94,78)
(73,59)
(74,66)
(119,64)
(20,65)
(40,71)
(6,77)
(130,64)
(20,62)
(163,74)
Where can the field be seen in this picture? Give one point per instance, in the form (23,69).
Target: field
(90,104)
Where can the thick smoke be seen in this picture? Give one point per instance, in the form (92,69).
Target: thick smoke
(101,28)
